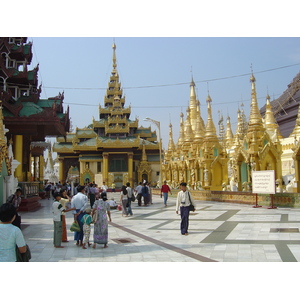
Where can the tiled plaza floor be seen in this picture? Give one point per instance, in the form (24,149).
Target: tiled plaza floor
(218,232)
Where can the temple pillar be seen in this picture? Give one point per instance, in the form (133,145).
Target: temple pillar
(35,168)
(130,168)
(41,171)
(105,167)
(18,155)
(61,170)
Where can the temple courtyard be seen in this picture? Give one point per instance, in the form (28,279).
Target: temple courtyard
(218,232)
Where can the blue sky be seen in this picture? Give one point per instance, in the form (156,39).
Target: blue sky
(155,74)
(160,46)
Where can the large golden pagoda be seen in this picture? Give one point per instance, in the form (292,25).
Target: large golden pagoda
(198,158)
(115,149)
(208,161)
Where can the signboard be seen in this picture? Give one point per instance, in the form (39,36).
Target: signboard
(263,182)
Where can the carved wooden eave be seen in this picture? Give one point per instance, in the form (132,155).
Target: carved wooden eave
(85,133)
(117,143)
(62,149)
(144,134)
(151,146)
(116,128)
(113,112)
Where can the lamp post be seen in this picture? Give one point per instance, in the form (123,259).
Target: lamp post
(157,123)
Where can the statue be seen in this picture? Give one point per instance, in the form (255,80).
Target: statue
(233,185)
(278,186)
(205,174)
(289,186)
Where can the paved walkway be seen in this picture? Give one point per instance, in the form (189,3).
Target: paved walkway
(219,232)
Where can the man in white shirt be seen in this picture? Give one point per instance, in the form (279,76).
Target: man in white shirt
(184,199)
(79,202)
(104,187)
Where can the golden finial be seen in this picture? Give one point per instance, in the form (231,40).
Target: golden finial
(114,55)
(252,78)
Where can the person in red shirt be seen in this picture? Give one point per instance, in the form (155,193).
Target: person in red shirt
(165,189)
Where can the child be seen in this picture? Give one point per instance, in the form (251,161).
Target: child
(57,210)
(86,220)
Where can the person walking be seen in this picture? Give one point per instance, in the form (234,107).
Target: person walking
(165,190)
(10,235)
(86,220)
(138,190)
(124,201)
(79,202)
(92,194)
(102,209)
(129,197)
(145,193)
(184,199)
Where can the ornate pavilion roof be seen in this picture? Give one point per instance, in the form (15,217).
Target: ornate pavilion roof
(114,129)
(23,110)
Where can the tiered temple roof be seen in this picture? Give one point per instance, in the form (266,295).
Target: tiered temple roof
(23,110)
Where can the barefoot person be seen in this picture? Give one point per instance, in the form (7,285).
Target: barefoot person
(102,209)
(58,210)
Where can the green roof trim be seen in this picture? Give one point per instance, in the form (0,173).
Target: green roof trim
(29,109)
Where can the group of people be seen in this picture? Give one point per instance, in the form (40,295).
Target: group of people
(85,214)
(143,191)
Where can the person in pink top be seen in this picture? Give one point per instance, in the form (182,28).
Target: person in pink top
(165,189)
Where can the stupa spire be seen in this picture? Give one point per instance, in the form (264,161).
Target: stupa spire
(269,120)
(199,131)
(171,145)
(229,134)
(210,129)
(181,132)
(113,98)
(193,105)
(239,135)
(188,132)
(255,119)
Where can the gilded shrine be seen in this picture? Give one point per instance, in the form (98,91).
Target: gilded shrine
(114,149)
(224,162)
